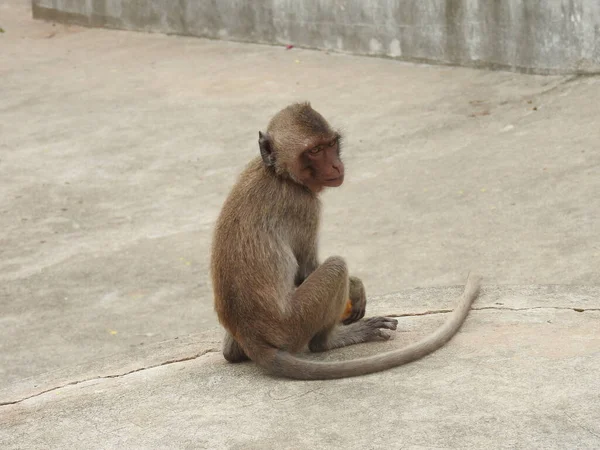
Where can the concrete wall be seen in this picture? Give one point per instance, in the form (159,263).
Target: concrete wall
(538,36)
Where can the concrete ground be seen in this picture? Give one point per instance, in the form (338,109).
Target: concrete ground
(116,152)
(522,373)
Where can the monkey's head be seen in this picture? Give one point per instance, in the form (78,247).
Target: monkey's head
(299,144)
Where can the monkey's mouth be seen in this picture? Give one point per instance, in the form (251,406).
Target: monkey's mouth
(334,182)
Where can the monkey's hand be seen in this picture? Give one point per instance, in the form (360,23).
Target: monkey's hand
(356,307)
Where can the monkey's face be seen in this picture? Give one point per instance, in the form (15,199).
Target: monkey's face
(322,163)
(300,145)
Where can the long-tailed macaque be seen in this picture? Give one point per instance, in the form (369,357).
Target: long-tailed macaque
(272,294)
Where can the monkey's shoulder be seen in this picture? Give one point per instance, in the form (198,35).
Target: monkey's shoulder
(258,184)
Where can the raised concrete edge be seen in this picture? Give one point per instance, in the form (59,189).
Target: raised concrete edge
(553,37)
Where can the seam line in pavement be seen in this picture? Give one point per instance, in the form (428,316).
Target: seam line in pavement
(118,375)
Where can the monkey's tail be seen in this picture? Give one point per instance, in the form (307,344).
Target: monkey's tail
(285,364)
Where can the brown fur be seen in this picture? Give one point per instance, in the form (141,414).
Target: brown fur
(271,294)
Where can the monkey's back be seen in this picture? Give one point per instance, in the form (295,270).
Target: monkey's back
(257,234)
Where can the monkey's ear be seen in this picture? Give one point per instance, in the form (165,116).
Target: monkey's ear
(266,148)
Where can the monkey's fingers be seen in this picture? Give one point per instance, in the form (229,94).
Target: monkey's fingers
(357,313)
(382,322)
(347,311)
(375,328)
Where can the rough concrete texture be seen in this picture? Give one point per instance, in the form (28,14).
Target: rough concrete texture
(116,152)
(551,36)
(522,373)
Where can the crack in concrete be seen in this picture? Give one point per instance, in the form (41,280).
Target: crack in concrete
(213,350)
(117,375)
(580,425)
(500,308)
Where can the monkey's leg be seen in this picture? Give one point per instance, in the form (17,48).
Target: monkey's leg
(317,307)
(357,298)
(316,304)
(372,329)
(232,350)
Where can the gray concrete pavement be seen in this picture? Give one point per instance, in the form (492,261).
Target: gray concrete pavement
(522,373)
(118,148)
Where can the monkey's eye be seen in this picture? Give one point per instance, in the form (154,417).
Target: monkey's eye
(316,149)
(333,142)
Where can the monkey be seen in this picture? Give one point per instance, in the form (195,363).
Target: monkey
(271,294)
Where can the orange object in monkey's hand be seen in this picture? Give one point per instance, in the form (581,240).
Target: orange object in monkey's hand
(347,310)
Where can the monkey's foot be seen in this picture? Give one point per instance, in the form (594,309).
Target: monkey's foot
(374,329)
